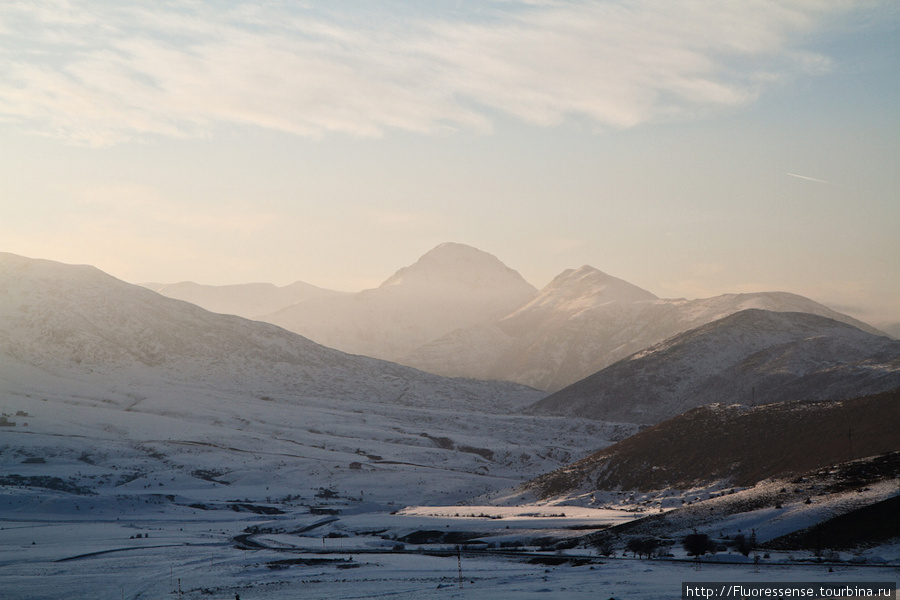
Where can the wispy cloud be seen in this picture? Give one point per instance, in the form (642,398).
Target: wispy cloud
(811,179)
(98,74)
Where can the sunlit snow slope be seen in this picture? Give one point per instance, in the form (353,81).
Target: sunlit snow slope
(117,388)
(751,357)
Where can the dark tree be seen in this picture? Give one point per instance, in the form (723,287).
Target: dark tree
(697,544)
(642,546)
(742,544)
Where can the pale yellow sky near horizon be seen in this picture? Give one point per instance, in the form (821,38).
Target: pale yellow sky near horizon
(689,148)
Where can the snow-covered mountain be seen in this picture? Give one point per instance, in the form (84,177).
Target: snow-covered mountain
(452,286)
(750,357)
(244,452)
(148,385)
(583,316)
(460,312)
(250,300)
(893,330)
(583,321)
(76,321)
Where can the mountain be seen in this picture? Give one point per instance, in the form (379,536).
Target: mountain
(581,322)
(750,357)
(76,322)
(734,446)
(558,335)
(452,286)
(249,300)
(110,387)
(460,312)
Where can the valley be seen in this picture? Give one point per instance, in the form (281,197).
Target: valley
(152,449)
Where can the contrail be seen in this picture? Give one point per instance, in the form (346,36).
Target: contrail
(812,179)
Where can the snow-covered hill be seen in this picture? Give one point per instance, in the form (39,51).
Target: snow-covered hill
(149,448)
(452,286)
(75,322)
(105,367)
(249,300)
(583,321)
(845,507)
(750,357)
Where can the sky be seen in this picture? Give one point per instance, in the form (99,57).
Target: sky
(690,147)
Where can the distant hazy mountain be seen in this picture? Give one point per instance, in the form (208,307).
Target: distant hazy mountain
(750,357)
(736,445)
(250,300)
(583,321)
(451,287)
(71,326)
(460,312)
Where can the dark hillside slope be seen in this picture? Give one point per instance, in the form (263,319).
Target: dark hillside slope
(866,526)
(737,444)
(837,507)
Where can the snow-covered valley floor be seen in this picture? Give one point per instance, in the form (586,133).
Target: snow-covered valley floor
(176,553)
(180,491)
(155,548)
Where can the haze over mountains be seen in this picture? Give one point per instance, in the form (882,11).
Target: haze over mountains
(76,322)
(461,312)
(451,287)
(249,300)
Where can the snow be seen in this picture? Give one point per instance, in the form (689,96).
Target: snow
(460,312)
(42,560)
(583,322)
(751,356)
(161,451)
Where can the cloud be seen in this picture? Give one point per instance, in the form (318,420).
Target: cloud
(810,179)
(99,75)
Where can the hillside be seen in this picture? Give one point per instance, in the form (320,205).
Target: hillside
(75,323)
(104,383)
(750,357)
(460,312)
(846,506)
(582,322)
(735,446)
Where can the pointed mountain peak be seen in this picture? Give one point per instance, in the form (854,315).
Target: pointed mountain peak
(452,264)
(586,281)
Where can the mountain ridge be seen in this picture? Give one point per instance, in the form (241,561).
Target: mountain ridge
(248,300)
(752,356)
(453,286)
(78,321)
(562,336)
(460,312)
